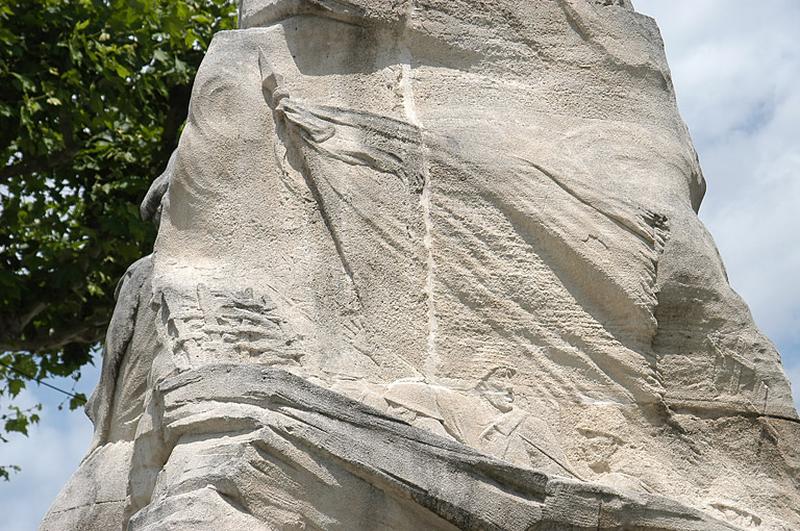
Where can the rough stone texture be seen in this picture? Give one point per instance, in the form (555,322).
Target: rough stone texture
(434,264)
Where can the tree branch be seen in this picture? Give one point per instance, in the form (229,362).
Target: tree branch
(73,333)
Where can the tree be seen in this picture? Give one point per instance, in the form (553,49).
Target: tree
(93,94)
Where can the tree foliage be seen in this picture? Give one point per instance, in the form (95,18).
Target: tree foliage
(93,94)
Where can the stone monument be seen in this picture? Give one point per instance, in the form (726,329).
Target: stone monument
(434,264)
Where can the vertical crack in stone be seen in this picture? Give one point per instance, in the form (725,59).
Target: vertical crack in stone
(432,359)
(432,362)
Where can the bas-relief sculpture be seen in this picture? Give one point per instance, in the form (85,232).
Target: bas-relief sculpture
(434,264)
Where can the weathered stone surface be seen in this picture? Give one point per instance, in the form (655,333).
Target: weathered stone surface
(435,264)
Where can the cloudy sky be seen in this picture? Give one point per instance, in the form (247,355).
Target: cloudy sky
(736,68)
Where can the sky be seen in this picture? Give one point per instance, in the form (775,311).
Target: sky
(736,68)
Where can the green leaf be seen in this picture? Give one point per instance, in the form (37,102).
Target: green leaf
(6,470)
(180,66)
(160,55)
(121,71)
(15,386)
(79,400)
(18,424)
(202,19)
(27,84)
